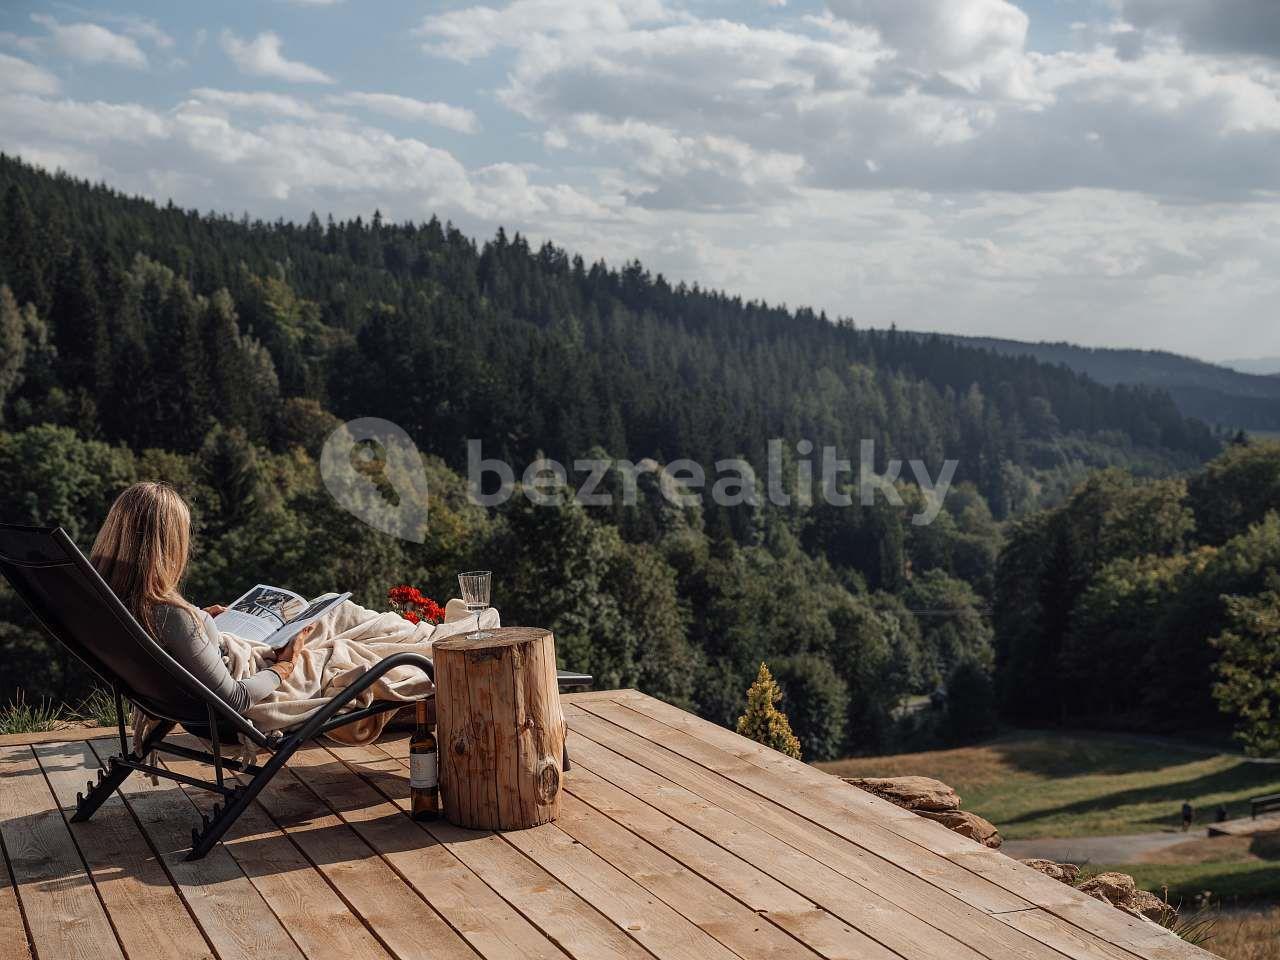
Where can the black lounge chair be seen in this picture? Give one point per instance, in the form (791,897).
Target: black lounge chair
(75,605)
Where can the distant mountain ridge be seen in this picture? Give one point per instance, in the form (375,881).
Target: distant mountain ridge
(1216,394)
(1263,366)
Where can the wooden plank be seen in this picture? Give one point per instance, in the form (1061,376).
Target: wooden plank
(824,799)
(661,930)
(228,908)
(319,921)
(492,927)
(148,914)
(65,915)
(910,868)
(565,917)
(1083,912)
(13,928)
(863,907)
(69,735)
(401,920)
(762,893)
(748,934)
(586,696)
(884,874)
(731,873)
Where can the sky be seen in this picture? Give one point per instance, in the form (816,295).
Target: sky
(1099,171)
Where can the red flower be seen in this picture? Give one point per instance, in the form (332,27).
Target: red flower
(411,604)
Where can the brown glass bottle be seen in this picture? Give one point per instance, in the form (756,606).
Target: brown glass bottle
(424,779)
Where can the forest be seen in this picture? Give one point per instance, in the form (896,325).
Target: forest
(146,341)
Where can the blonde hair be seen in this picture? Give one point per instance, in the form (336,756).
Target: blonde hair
(142,549)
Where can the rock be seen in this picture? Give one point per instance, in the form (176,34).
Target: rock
(967,825)
(1117,889)
(1066,872)
(1147,904)
(911,793)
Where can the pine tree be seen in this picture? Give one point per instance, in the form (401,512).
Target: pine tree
(763,722)
(79,327)
(13,346)
(20,251)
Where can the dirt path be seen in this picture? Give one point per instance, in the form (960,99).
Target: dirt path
(1130,848)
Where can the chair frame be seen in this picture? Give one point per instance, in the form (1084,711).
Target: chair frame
(281,745)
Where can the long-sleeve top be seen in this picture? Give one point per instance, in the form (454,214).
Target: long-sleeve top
(194,641)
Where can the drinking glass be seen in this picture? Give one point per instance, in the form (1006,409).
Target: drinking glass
(475,594)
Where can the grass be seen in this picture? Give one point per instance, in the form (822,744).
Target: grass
(18,716)
(1034,784)
(1247,935)
(96,710)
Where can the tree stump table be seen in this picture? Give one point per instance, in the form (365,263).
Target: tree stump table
(500,729)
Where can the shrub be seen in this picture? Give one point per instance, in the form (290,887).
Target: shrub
(763,722)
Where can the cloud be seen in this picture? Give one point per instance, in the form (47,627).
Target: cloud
(473,32)
(1221,26)
(91,43)
(863,115)
(262,57)
(274,155)
(941,34)
(396,106)
(21,77)
(277,104)
(148,30)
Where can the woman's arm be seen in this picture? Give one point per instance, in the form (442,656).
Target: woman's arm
(191,642)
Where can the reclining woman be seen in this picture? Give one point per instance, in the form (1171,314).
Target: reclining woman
(142,552)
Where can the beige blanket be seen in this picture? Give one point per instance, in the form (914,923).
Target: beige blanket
(344,646)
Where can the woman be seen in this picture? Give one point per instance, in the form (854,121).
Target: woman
(141,552)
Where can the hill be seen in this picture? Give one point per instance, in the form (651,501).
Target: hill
(148,342)
(1215,394)
(419,324)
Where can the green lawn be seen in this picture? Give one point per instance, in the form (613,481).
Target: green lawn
(1036,784)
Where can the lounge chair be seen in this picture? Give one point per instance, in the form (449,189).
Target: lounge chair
(75,605)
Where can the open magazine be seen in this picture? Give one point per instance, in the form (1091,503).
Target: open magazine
(273,615)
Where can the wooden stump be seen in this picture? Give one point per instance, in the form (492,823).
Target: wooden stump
(500,729)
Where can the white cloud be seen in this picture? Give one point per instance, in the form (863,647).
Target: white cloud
(277,104)
(472,32)
(262,57)
(393,105)
(91,43)
(148,30)
(275,156)
(21,77)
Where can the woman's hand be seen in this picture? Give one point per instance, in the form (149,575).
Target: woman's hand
(215,609)
(289,652)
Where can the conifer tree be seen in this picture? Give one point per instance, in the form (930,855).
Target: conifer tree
(20,251)
(763,722)
(13,346)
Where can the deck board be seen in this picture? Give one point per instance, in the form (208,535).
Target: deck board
(318,919)
(61,904)
(678,840)
(148,914)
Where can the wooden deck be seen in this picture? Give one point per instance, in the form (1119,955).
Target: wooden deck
(678,840)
